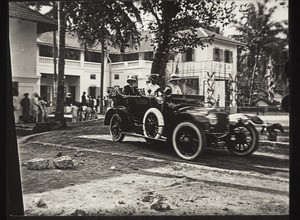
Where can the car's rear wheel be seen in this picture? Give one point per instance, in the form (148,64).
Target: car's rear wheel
(115,128)
(188,140)
(243,141)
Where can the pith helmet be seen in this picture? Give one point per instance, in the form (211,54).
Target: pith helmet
(173,77)
(131,78)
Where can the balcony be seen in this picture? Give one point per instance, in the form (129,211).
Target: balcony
(49,61)
(194,67)
(145,64)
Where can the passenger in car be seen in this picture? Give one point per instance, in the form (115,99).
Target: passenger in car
(151,88)
(130,88)
(173,83)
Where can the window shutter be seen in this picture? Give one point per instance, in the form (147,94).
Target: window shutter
(183,57)
(193,54)
(214,54)
(222,55)
(231,57)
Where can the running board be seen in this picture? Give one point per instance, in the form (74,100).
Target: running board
(140,135)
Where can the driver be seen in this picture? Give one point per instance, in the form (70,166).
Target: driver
(130,88)
(151,88)
(173,83)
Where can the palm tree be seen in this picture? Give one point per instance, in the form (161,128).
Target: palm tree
(260,34)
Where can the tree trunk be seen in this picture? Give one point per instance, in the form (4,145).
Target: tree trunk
(59,114)
(160,60)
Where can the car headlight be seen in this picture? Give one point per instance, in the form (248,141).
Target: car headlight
(212,118)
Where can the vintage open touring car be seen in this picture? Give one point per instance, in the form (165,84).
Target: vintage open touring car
(182,120)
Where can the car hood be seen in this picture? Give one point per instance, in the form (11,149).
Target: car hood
(195,110)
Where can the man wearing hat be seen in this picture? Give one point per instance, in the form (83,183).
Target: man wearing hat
(173,84)
(130,89)
(69,101)
(151,88)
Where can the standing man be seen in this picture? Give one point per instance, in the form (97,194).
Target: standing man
(83,99)
(25,103)
(97,103)
(130,88)
(69,101)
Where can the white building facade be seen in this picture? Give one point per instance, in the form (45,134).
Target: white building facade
(213,68)
(24,26)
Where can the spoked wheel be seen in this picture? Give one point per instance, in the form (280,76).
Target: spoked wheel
(188,140)
(244,140)
(115,128)
(153,123)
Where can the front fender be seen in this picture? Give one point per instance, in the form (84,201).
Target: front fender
(244,118)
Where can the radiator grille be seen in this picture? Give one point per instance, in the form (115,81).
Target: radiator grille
(223,122)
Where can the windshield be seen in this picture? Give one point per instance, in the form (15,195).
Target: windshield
(188,86)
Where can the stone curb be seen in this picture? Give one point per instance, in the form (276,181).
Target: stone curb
(25,138)
(22,139)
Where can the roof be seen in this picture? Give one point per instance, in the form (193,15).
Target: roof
(71,40)
(17,10)
(145,44)
(222,38)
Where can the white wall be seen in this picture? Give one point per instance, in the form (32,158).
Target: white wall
(22,37)
(22,40)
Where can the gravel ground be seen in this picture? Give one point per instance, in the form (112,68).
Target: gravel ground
(136,178)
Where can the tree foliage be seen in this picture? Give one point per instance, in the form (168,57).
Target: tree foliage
(175,25)
(263,40)
(113,21)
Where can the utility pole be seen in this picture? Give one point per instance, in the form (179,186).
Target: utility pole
(54,57)
(102,75)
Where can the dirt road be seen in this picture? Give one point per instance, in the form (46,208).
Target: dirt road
(136,178)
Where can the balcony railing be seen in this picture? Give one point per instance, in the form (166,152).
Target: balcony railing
(92,65)
(190,68)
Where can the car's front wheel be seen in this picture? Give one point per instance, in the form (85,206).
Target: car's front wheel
(243,140)
(188,140)
(115,128)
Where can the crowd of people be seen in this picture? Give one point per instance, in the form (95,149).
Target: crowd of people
(87,109)
(33,110)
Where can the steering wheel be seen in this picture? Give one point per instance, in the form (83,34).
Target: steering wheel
(167,91)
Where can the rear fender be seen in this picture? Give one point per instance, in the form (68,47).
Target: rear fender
(108,115)
(123,114)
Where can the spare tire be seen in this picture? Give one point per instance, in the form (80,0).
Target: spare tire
(153,123)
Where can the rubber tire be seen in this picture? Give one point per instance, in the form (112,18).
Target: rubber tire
(254,145)
(121,137)
(201,136)
(160,119)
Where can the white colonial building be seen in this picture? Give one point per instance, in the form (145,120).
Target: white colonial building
(212,68)
(24,26)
